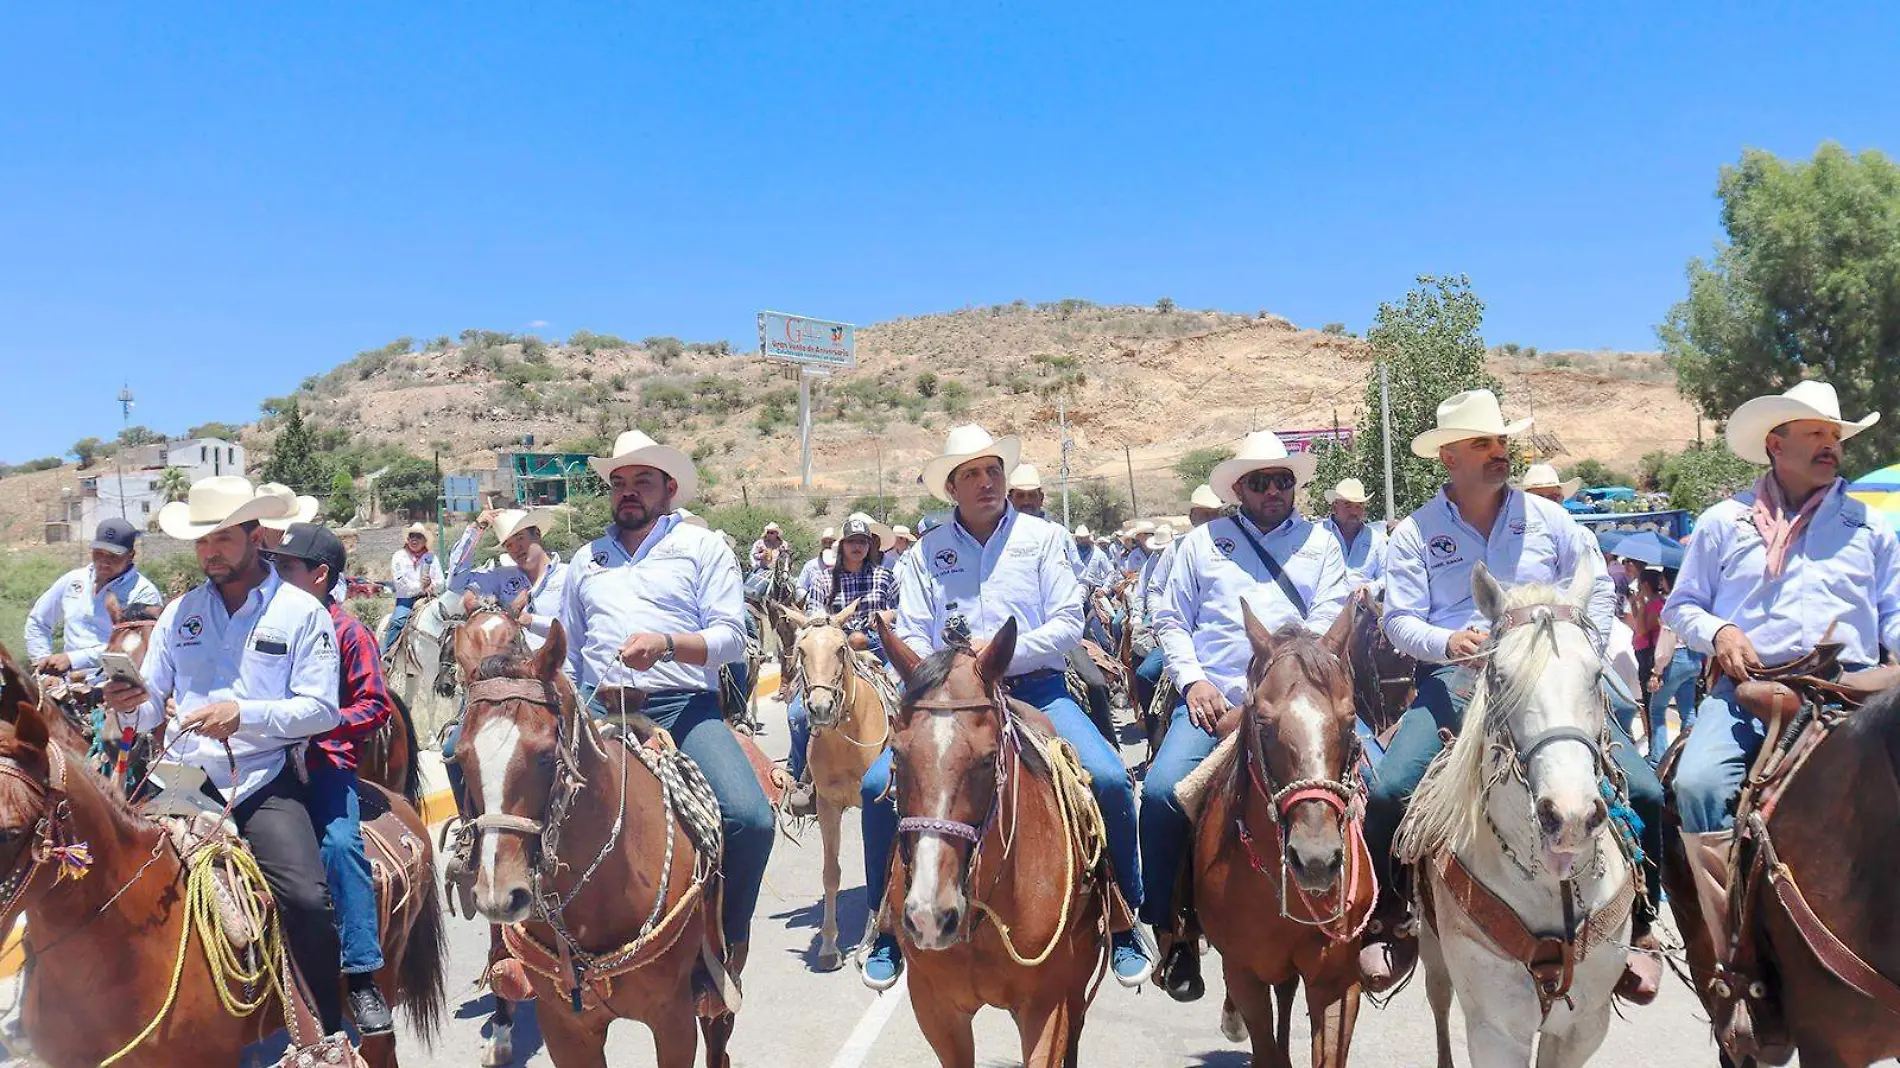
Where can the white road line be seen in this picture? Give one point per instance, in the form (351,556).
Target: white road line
(864,1035)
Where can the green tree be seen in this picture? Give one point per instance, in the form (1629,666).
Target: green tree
(88,450)
(408,486)
(293,457)
(1336,462)
(341,505)
(173,484)
(1432,348)
(1194,468)
(1095,503)
(214,429)
(927,384)
(664,350)
(1164,305)
(139,435)
(1700,475)
(955,397)
(1597,473)
(1807,286)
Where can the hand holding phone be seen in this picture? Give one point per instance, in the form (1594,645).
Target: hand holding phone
(121,668)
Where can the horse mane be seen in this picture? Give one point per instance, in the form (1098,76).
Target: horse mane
(1301,646)
(62,733)
(1877,723)
(1448,805)
(931,674)
(512,665)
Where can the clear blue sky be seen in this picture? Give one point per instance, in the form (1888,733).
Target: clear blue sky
(213,203)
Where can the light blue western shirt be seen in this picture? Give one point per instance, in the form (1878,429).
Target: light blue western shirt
(1021,572)
(75,601)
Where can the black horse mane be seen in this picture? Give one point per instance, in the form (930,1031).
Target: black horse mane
(141,613)
(504,666)
(931,674)
(1878,723)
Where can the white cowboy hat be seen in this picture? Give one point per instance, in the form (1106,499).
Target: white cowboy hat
(635,449)
(417,528)
(830,532)
(1461,416)
(771,528)
(1748,428)
(1259,450)
(1544,476)
(966,443)
(902,533)
(303,507)
(1082,530)
(1140,527)
(216,503)
(1025,477)
(1350,490)
(1205,497)
(1161,537)
(511,521)
(691,520)
(859,523)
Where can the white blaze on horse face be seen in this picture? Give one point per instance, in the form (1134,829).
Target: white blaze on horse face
(495,746)
(492,626)
(930,900)
(1563,775)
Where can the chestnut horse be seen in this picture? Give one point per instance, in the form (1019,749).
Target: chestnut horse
(610,911)
(1382,677)
(850,727)
(116,910)
(999,882)
(1283,881)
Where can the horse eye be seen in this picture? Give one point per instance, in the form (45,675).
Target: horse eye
(10,835)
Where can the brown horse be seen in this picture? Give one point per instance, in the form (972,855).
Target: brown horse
(118,912)
(610,912)
(1382,677)
(998,878)
(1283,882)
(850,727)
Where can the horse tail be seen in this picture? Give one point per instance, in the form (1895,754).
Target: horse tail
(420,970)
(412,773)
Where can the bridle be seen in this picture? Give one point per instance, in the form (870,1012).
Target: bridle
(1520,752)
(53,842)
(545,832)
(1008,748)
(808,686)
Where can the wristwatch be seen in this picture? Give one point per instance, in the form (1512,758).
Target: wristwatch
(671,652)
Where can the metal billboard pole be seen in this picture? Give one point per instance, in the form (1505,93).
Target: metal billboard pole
(804,427)
(1385,430)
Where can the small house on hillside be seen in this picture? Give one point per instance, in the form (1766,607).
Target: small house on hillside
(128,484)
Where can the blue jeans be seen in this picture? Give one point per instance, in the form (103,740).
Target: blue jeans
(1149,670)
(799,720)
(399,617)
(335,815)
(693,719)
(1715,760)
(1679,679)
(1114,791)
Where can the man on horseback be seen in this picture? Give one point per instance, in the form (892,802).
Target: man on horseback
(1286,570)
(310,557)
(1771,573)
(988,564)
(251,664)
(1143,599)
(414,573)
(535,570)
(812,574)
(1362,543)
(78,601)
(1026,496)
(1431,616)
(1204,506)
(771,542)
(1093,566)
(653,608)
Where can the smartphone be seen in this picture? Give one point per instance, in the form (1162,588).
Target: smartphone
(121,668)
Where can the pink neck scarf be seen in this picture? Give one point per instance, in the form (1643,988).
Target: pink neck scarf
(1779,529)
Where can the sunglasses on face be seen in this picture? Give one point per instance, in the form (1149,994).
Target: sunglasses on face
(1261,481)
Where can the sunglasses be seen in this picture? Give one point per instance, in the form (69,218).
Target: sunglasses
(1261,481)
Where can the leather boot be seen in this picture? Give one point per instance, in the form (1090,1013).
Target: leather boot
(1390,948)
(1745,1016)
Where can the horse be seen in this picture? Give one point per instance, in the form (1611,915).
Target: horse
(416,666)
(1525,884)
(781,593)
(108,887)
(850,727)
(1280,819)
(1003,895)
(1382,677)
(609,912)
(118,754)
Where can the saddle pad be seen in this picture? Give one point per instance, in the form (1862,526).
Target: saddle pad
(1191,792)
(761,767)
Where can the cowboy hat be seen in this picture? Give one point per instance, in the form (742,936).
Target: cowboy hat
(966,443)
(216,503)
(1544,476)
(1025,477)
(635,449)
(1082,531)
(830,532)
(1748,428)
(1161,537)
(303,508)
(416,529)
(1140,527)
(902,533)
(1462,416)
(1259,450)
(859,523)
(1350,490)
(771,528)
(512,521)
(1205,497)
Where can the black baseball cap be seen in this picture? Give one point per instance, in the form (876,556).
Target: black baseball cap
(115,536)
(313,545)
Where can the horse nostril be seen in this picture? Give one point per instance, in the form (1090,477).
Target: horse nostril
(910,927)
(950,918)
(1599,813)
(517,901)
(1548,818)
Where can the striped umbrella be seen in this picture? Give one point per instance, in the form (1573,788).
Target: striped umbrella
(1879,490)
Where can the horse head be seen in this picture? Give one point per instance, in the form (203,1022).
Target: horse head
(41,798)
(947,747)
(1298,739)
(515,763)
(488,628)
(1543,706)
(822,659)
(131,627)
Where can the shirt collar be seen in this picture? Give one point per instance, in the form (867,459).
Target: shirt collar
(1002,525)
(1285,526)
(661,528)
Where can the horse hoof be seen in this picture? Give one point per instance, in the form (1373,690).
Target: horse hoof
(829,961)
(1232,1027)
(499,1054)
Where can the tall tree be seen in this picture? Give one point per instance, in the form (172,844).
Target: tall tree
(87,450)
(173,484)
(341,507)
(1807,286)
(293,457)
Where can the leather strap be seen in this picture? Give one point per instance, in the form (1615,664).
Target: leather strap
(1274,570)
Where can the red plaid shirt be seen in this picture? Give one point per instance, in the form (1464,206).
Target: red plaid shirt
(361,697)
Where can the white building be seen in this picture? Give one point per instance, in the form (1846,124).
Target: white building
(128,484)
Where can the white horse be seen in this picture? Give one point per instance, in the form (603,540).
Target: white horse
(414,666)
(1524,887)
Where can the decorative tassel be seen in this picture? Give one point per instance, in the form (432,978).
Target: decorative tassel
(70,861)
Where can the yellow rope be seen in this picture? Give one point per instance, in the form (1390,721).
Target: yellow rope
(1083,832)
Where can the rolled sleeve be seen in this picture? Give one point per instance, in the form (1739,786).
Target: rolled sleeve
(1408,600)
(723,607)
(1690,609)
(311,708)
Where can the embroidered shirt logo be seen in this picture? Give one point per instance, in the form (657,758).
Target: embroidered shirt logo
(946,558)
(1443,546)
(1517,526)
(192,626)
(1225,545)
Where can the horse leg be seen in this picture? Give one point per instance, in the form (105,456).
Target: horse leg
(1254,1000)
(1437,991)
(576,1041)
(947,1029)
(1045,1035)
(379,1052)
(1332,1016)
(718,1032)
(499,1050)
(1283,995)
(830,820)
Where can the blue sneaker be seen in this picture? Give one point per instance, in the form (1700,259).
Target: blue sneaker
(884,964)
(1128,958)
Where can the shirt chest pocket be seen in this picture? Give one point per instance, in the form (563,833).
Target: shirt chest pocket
(266,669)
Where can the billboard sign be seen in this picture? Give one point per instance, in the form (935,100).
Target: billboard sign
(1309,440)
(817,343)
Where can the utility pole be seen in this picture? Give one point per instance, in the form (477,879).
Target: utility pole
(1128,457)
(1062,422)
(883,513)
(125,423)
(804,427)
(1385,429)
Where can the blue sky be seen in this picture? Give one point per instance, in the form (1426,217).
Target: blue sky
(213,203)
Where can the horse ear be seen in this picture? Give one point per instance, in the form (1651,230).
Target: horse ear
(114,610)
(28,727)
(520,607)
(468,603)
(844,617)
(992,664)
(1339,636)
(1487,592)
(552,654)
(903,657)
(1582,585)
(797,619)
(1257,633)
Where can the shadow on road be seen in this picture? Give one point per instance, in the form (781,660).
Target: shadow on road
(852,918)
(1222,1058)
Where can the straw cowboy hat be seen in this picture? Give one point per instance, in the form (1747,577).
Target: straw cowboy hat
(830,532)
(1462,416)
(1350,490)
(634,449)
(858,523)
(303,507)
(1082,531)
(1161,537)
(1544,476)
(1748,428)
(1025,477)
(214,504)
(1259,450)
(965,443)
(1140,527)
(902,533)
(417,528)
(1205,497)
(511,521)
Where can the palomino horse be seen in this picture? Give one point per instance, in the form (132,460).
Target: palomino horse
(610,912)
(850,726)
(1525,883)
(1382,677)
(1000,886)
(108,887)
(1282,823)
(416,666)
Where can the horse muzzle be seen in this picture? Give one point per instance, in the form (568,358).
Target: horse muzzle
(1315,851)
(501,904)
(1566,830)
